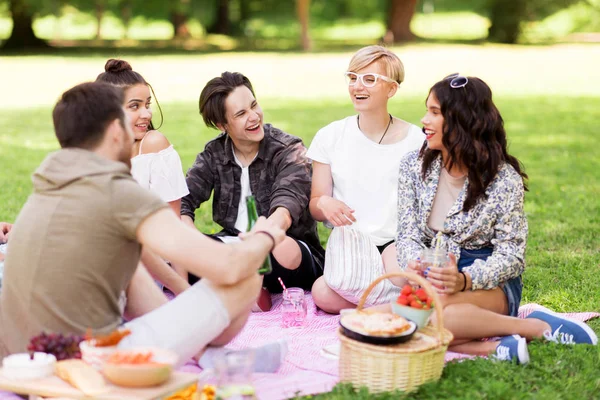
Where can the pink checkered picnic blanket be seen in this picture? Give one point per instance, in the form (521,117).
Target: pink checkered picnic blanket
(305,371)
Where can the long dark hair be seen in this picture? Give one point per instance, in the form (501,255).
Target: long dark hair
(473,136)
(119,73)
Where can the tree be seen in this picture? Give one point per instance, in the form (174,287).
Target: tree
(22,35)
(400,13)
(178,15)
(221,24)
(507,17)
(303,11)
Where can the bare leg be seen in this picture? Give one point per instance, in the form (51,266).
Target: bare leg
(328,300)
(482,313)
(288,254)
(475,348)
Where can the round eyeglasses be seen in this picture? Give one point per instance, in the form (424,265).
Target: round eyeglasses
(368,79)
(457,80)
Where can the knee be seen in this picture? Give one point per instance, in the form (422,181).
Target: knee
(288,254)
(320,292)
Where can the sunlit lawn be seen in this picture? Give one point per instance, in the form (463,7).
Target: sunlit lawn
(551,116)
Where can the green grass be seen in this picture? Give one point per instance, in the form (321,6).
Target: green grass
(552,128)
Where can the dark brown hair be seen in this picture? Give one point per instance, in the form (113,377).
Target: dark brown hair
(83,113)
(474,136)
(212,98)
(120,73)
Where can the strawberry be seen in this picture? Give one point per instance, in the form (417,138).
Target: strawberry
(430,302)
(403,300)
(416,304)
(426,307)
(421,294)
(411,297)
(406,290)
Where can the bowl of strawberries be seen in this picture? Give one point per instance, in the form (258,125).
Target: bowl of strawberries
(414,304)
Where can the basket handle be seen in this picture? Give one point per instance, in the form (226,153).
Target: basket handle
(439,323)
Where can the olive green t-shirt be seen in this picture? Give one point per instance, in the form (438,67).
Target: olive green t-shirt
(73,248)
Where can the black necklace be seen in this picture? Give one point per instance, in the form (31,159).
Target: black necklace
(386,129)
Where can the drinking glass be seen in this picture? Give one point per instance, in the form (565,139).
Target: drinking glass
(234,374)
(293,307)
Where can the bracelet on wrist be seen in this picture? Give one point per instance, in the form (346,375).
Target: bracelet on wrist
(270,236)
(464,281)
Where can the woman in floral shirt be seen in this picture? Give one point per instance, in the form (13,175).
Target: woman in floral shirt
(465,188)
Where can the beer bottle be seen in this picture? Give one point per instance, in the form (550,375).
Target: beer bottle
(266,268)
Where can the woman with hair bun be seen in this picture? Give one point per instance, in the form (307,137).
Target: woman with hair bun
(464,188)
(154,162)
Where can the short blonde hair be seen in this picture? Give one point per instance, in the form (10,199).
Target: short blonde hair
(368,55)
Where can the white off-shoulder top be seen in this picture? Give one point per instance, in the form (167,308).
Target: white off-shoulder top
(162,173)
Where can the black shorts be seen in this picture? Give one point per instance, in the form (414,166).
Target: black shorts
(304,276)
(383,246)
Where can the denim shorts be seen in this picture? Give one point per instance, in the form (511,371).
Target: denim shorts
(513,288)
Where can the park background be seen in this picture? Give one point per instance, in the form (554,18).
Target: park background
(540,57)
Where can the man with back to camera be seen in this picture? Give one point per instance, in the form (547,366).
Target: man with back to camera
(75,246)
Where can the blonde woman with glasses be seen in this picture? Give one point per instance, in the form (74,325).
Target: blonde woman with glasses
(355,182)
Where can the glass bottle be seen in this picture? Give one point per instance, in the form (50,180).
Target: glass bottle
(266,267)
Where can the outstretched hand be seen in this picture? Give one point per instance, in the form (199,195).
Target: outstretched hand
(263,224)
(5,228)
(447,279)
(336,211)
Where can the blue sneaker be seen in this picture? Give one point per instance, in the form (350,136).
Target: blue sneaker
(512,347)
(565,330)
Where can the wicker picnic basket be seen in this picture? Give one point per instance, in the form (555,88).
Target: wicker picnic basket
(402,366)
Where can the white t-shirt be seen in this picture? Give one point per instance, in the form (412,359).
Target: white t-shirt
(365,174)
(241,223)
(161,173)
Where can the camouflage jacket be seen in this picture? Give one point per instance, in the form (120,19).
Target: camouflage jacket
(280,176)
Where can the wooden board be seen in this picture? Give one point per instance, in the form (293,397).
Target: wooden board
(53,386)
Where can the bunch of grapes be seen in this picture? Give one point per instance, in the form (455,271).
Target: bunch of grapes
(62,346)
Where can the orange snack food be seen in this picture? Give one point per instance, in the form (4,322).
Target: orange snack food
(112,339)
(130,358)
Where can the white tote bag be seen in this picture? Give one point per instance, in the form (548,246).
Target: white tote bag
(352,262)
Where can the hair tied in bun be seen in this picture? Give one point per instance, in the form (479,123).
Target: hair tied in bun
(116,66)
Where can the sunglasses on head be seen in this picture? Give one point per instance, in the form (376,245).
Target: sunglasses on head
(457,80)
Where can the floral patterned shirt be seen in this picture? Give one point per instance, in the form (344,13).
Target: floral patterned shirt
(497,220)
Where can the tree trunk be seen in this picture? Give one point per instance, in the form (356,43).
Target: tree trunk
(179,22)
(221,24)
(303,11)
(398,23)
(100,8)
(56,8)
(244,11)
(125,7)
(506,17)
(22,35)
(178,16)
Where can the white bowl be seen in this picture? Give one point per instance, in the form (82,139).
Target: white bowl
(22,367)
(95,356)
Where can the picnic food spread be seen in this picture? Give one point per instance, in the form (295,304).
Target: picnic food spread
(376,324)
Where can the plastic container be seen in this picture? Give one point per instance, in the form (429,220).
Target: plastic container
(416,315)
(22,367)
